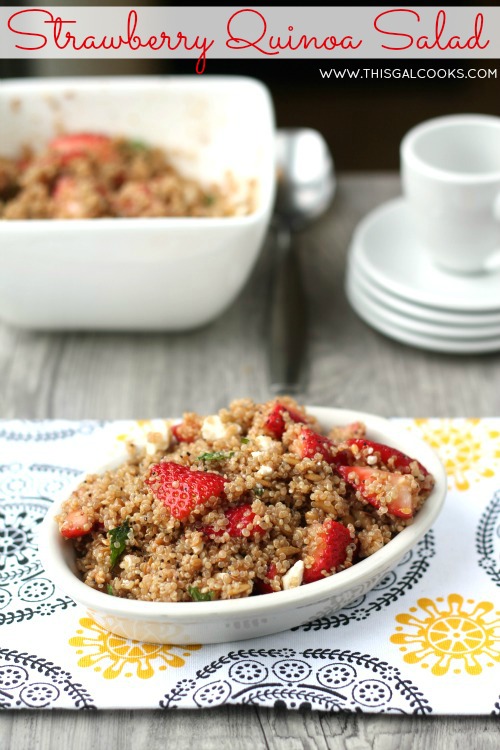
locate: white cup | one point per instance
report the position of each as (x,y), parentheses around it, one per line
(451,179)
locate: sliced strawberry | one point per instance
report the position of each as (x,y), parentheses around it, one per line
(75,524)
(78,199)
(79,144)
(239,518)
(342,432)
(24,163)
(68,202)
(310,443)
(391,457)
(185,433)
(327,545)
(260,586)
(135,198)
(377,487)
(181,490)
(275,422)
(177,433)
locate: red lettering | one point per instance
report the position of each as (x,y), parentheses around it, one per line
(28,33)
(63,39)
(475,40)
(406,45)
(57,32)
(276,44)
(237,42)
(438,40)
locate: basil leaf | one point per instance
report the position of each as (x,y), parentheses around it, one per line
(259,491)
(197,596)
(118,541)
(137,145)
(245,440)
(217,456)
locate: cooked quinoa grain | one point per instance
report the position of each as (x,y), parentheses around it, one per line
(248,501)
(90,176)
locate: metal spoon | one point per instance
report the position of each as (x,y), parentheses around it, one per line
(306,185)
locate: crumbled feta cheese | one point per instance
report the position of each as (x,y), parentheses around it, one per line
(213,428)
(264,471)
(264,442)
(294,577)
(129,562)
(159,437)
(371,460)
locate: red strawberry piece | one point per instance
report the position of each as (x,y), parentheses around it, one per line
(186,432)
(239,518)
(310,443)
(72,199)
(75,524)
(260,586)
(343,432)
(391,457)
(178,434)
(67,198)
(23,163)
(275,422)
(79,144)
(136,198)
(181,489)
(327,544)
(379,487)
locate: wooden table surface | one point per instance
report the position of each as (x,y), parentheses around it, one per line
(111,376)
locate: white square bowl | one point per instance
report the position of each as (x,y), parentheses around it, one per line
(138,273)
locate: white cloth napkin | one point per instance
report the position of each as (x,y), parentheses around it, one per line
(426,640)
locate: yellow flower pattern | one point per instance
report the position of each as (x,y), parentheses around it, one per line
(457,635)
(468,448)
(113,656)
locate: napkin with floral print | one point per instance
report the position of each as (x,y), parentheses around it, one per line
(425,640)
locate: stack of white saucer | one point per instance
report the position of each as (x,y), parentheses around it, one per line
(396,288)
(406,289)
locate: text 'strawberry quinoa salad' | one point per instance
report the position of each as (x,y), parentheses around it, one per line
(250,501)
(89,176)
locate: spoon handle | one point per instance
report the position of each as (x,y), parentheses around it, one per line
(288,319)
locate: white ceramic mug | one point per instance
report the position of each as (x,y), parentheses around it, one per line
(451,179)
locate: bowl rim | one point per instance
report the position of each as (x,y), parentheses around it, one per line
(53,549)
(18,87)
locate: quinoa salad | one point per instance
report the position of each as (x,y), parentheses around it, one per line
(90,176)
(249,501)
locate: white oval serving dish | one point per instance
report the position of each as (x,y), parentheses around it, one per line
(232,620)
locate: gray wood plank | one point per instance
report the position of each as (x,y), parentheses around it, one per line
(111,376)
(241,727)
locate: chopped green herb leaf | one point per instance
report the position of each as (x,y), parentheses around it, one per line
(138,145)
(245,440)
(109,589)
(118,540)
(209,200)
(259,491)
(217,456)
(197,596)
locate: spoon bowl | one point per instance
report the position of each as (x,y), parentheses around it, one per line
(306,177)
